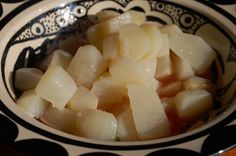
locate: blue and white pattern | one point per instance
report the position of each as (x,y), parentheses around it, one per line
(52,25)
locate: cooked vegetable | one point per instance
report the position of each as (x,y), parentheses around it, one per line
(32,104)
(128,71)
(27,78)
(99,31)
(165,47)
(87,65)
(83,98)
(111,47)
(106,15)
(96,124)
(170,89)
(149,65)
(183,68)
(171,30)
(197,82)
(109,92)
(192,103)
(165,69)
(125,126)
(111,87)
(134,42)
(64,120)
(156,40)
(149,116)
(57,58)
(56,86)
(194,49)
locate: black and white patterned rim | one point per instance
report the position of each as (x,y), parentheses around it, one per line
(223,2)
(24,6)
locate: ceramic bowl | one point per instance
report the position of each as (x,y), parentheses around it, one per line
(38,27)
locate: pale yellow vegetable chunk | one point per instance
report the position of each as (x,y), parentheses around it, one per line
(83,98)
(183,68)
(106,15)
(57,58)
(126,130)
(171,30)
(96,124)
(192,103)
(134,42)
(127,71)
(168,103)
(194,49)
(165,47)
(27,78)
(170,89)
(111,47)
(149,65)
(165,68)
(94,35)
(156,39)
(109,92)
(64,120)
(56,86)
(32,104)
(148,112)
(99,31)
(87,65)
(196,82)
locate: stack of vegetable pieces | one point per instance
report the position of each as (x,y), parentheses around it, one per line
(133,80)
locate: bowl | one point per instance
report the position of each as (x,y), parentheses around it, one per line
(36,28)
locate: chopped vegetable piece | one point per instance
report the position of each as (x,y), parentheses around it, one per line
(149,116)
(192,103)
(109,92)
(87,65)
(128,71)
(57,58)
(194,49)
(165,69)
(134,42)
(111,47)
(63,120)
(96,124)
(156,39)
(126,130)
(99,31)
(32,104)
(106,15)
(83,98)
(183,68)
(27,78)
(56,86)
